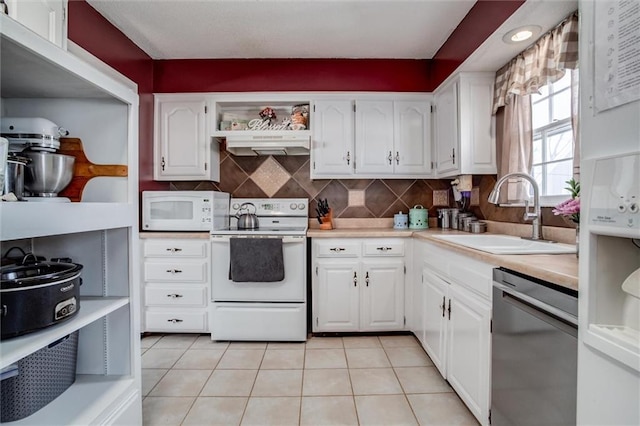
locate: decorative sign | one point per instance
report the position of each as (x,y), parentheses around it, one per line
(258,124)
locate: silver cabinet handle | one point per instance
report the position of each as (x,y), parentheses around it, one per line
(174,271)
(355,279)
(384,248)
(174,249)
(348,157)
(174,296)
(174,320)
(443,305)
(337,249)
(397,157)
(453,155)
(390,157)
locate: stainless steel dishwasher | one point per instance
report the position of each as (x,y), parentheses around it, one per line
(534,351)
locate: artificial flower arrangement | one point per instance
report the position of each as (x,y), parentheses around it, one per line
(570,209)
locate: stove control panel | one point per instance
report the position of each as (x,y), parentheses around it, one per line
(271,206)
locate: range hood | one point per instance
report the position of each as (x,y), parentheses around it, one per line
(276,144)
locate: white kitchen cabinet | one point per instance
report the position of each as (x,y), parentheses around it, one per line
(47,18)
(464,127)
(456,293)
(358,285)
(176,285)
(99,232)
(332,149)
(382,136)
(183,147)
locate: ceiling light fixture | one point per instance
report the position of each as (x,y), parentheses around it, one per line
(520,34)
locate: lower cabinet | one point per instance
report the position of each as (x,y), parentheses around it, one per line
(176,285)
(358,285)
(456,324)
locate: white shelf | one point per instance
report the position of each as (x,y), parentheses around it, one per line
(37,219)
(82,403)
(619,342)
(302,134)
(91,309)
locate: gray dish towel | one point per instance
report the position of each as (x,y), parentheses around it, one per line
(256,260)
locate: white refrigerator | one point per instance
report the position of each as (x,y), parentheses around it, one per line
(609,292)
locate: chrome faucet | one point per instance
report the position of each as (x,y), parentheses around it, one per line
(534,215)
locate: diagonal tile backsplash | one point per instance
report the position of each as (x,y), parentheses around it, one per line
(288,177)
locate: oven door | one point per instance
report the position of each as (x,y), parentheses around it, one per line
(291,289)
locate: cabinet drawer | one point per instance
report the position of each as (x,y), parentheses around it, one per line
(176,272)
(175,295)
(384,248)
(476,276)
(175,248)
(169,321)
(337,249)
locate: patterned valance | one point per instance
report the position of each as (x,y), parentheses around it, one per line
(540,64)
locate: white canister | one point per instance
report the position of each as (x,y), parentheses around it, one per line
(400,221)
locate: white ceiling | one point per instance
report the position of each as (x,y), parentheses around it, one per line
(394,29)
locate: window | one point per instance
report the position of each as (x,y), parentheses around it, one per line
(552,139)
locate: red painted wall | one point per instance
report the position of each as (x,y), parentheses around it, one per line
(91,31)
(249,75)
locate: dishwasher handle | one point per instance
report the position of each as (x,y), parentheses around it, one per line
(553,316)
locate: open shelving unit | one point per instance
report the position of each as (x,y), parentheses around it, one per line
(100,232)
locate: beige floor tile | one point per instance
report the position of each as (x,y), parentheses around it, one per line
(176,341)
(230,383)
(150,378)
(325,358)
(422,380)
(165,410)
(374,381)
(205,342)
(244,359)
(328,411)
(148,341)
(279,359)
(199,359)
(367,358)
(216,411)
(161,358)
(401,341)
(326,382)
(248,345)
(276,411)
(361,342)
(181,383)
(384,410)
(286,345)
(408,357)
(441,409)
(325,343)
(278,383)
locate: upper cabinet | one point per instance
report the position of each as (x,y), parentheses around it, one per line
(183,147)
(363,138)
(465,140)
(45,17)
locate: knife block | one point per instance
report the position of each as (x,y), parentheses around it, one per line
(327,221)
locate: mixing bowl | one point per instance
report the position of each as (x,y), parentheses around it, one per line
(48,173)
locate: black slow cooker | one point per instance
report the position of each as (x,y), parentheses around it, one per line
(35,294)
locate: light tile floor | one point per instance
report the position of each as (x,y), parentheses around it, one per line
(371,380)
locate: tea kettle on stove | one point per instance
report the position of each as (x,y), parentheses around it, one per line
(247,220)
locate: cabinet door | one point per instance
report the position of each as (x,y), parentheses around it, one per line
(412,137)
(45,17)
(374,137)
(446,141)
(382,295)
(435,318)
(181,140)
(332,153)
(336,295)
(468,350)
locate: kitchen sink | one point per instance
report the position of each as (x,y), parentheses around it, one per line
(507,244)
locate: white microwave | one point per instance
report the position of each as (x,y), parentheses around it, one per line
(185,210)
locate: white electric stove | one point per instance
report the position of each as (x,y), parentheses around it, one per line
(261,308)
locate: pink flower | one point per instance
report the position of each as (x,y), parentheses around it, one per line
(569,208)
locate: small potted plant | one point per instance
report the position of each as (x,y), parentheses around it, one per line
(570,209)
